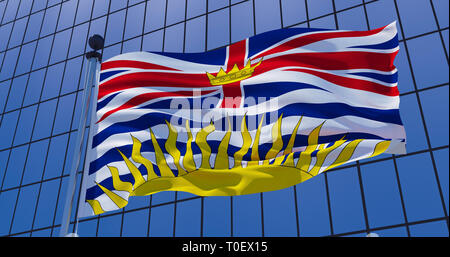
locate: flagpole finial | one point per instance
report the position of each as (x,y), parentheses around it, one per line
(96,42)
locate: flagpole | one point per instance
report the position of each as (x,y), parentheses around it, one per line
(93,58)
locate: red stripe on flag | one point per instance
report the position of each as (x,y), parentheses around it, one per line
(352,83)
(312,38)
(139,99)
(232,95)
(331,61)
(153,79)
(133,64)
(236,54)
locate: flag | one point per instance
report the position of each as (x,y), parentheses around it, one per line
(259,115)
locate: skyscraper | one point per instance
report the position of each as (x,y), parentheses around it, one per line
(42,64)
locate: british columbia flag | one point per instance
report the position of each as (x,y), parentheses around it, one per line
(261,114)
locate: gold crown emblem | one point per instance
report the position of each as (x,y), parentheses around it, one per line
(234,75)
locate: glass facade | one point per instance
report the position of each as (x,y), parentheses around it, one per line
(42,43)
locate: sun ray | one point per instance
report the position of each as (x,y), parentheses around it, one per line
(136,156)
(222,154)
(137,175)
(171,148)
(255,154)
(160,158)
(203,145)
(305,157)
(277,144)
(246,142)
(188,160)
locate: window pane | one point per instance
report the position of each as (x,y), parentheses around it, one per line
(56,156)
(342,4)
(18,32)
(110,226)
(44,119)
(381,194)
(319,8)
(47,203)
(9,63)
(26,204)
(441,9)
(174,38)
(216,4)
(175,11)
(420,193)
(266,18)
(195,8)
(393,232)
(66,18)
(188,218)
(161,221)
(153,41)
(345,200)
(314,219)
(6,31)
(72,75)
(353,19)
(25,126)
(16,94)
(25,58)
(410,114)
(15,167)
(7,128)
(7,201)
(441,158)
(241,22)
(115,28)
(135,19)
(53,81)
(218,29)
(61,45)
(34,166)
(436,114)
(154,18)
(217,216)
(87,228)
(34,26)
(195,35)
(430,229)
(279,213)
(294,12)
(381,13)
(408,15)
(42,52)
(64,114)
(247,215)
(50,19)
(427,54)
(77,45)
(135,223)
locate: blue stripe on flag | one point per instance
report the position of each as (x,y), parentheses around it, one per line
(323,111)
(106,74)
(387,78)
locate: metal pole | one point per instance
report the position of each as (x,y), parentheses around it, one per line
(87,160)
(96,42)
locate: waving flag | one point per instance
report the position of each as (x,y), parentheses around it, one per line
(262,114)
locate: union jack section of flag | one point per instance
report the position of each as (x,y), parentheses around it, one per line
(261,114)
